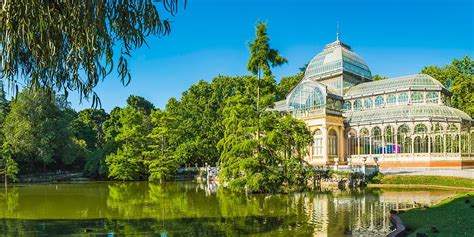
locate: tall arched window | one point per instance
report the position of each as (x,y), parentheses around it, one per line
(364,141)
(464,142)
(391,99)
(347,106)
(332,142)
(449,143)
(437,142)
(318,144)
(403,97)
(357,105)
(368,103)
(404,140)
(421,141)
(390,146)
(379,101)
(417,97)
(455,148)
(352,142)
(376,140)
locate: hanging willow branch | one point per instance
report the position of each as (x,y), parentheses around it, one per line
(68,45)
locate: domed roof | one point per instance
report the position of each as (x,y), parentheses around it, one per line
(337,57)
(412,82)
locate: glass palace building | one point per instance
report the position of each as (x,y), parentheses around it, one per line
(397,122)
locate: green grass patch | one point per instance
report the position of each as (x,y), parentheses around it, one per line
(452,217)
(427,180)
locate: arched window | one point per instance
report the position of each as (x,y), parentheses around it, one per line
(379,101)
(330,103)
(417,97)
(403,97)
(338,105)
(352,142)
(390,146)
(318,144)
(307,96)
(421,144)
(332,140)
(449,143)
(421,129)
(364,141)
(376,140)
(391,99)
(438,144)
(464,142)
(357,105)
(404,140)
(455,148)
(347,106)
(368,103)
(432,97)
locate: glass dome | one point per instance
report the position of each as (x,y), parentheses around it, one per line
(337,57)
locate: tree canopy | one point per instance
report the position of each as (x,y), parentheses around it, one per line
(66,46)
(458,77)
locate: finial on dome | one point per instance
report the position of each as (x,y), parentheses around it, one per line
(337,31)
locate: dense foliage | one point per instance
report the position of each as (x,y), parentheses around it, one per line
(67,46)
(458,77)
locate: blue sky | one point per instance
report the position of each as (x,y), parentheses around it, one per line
(210,37)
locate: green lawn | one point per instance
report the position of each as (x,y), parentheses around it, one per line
(452,217)
(428,180)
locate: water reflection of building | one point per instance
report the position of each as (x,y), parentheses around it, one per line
(366,212)
(403,122)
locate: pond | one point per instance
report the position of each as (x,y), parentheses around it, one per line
(193,209)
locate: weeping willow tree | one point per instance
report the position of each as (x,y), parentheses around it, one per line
(65,45)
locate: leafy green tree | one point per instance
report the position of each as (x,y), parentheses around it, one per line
(37,130)
(262,58)
(160,157)
(10,167)
(458,77)
(53,43)
(140,103)
(127,163)
(287,84)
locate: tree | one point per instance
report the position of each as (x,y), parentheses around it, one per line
(127,163)
(287,84)
(160,157)
(10,167)
(458,77)
(38,131)
(52,43)
(140,103)
(377,77)
(262,58)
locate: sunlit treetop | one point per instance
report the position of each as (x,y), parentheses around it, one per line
(65,46)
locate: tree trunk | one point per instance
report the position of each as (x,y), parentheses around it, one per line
(258,106)
(6,180)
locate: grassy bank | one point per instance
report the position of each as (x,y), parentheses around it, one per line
(424,180)
(451,217)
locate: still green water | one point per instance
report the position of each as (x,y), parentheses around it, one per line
(192,209)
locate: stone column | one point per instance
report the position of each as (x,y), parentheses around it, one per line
(324,130)
(341,147)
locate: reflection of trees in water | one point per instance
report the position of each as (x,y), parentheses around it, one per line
(184,208)
(8,201)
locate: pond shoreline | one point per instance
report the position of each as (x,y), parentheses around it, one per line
(419,186)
